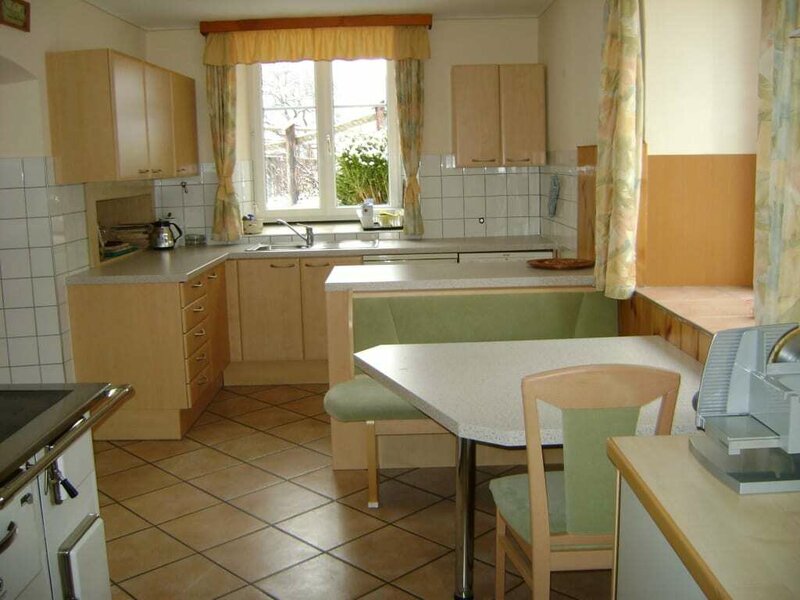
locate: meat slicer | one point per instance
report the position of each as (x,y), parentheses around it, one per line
(749,408)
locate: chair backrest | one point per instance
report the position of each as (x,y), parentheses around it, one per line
(597,402)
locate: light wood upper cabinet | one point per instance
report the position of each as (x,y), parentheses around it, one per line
(114,117)
(184,125)
(498,115)
(270,310)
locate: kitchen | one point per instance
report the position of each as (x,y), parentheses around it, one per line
(686,122)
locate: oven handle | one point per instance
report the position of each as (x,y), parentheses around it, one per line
(104,405)
(9,537)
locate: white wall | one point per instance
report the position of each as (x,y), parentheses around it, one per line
(465,42)
(570,40)
(55,25)
(702,76)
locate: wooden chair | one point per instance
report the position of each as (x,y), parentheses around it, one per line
(565,520)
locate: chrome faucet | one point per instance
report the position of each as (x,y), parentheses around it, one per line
(308,238)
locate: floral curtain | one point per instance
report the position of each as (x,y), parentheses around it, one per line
(221,96)
(409,79)
(776,277)
(619,149)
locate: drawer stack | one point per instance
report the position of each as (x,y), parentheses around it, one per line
(196,345)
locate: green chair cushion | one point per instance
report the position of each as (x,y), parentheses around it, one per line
(364,399)
(512,499)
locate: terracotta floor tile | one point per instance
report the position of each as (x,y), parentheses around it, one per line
(584,585)
(484,551)
(303,431)
(437,523)
(253,446)
(280,394)
(134,482)
(235,481)
(119,594)
(218,432)
(268,418)
(261,554)
(388,592)
(226,394)
(313,405)
(437,480)
(279,502)
(483,498)
(114,461)
(153,450)
(197,463)
(99,446)
(246,593)
(142,551)
(322,445)
(316,388)
(331,525)
(397,501)
(123,443)
(212,526)
(389,552)
(237,405)
(193,578)
(325,418)
(206,418)
(320,577)
(119,521)
(104,500)
(293,462)
(246,390)
(170,503)
(333,484)
(434,581)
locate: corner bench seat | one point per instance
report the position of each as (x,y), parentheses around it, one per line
(470,317)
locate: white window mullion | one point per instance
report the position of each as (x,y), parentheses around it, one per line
(327,167)
(393,144)
(257,140)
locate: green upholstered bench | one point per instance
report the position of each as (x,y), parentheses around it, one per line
(473,317)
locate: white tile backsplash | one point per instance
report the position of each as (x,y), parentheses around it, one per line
(11,173)
(13,233)
(41,260)
(44,291)
(12,204)
(23,351)
(47,322)
(452,208)
(431,209)
(36,202)
(475,206)
(17,293)
(20,322)
(34,172)
(452,187)
(15,263)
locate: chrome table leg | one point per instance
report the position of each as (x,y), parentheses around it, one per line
(465,517)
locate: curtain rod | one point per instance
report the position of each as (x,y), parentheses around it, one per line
(207,27)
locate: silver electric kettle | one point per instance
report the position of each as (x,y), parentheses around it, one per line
(161,235)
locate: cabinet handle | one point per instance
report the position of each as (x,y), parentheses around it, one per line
(213,276)
(182,170)
(157,170)
(200,333)
(201,358)
(198,309)
(143,171)
(480,160)
(272,266)
(311,266)
(9,537)
(199,284)
(202,380)
(518,159)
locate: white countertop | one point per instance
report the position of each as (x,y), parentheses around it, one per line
(450,276)
(183,263)
(473,389)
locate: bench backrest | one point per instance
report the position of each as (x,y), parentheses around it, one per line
(481,318)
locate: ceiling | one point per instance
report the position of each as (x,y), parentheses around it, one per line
(186,14)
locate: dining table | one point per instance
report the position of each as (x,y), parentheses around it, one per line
(473,389)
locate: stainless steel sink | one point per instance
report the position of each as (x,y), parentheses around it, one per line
(340,245)
(275,247)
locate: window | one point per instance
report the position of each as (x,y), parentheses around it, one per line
(324,138)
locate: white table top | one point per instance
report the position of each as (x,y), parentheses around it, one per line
(473,389)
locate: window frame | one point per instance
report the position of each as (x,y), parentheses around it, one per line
(323,92)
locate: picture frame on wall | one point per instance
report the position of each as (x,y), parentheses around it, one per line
(16,13)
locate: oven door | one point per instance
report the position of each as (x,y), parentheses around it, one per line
(82,561)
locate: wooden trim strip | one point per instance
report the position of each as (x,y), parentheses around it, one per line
(691,559)
(423,20)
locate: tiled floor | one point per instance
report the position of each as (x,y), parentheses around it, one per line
(247,507)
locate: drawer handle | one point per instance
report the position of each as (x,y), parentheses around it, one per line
(200,333)
(202,380)
(9,537)
(182,170)
(199,284)
(282,266)
(143,171)
(157,170)
(201,358)
(198,309)
(518,159)
(480,160)
(320,266)
(213,276)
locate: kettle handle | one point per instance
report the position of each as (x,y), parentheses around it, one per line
(180,231)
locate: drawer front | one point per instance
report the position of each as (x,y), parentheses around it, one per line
(198,386)
(192,290)
(195,337)
(195,312)
(197,362)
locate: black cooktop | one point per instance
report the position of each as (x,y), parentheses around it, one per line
(20,407)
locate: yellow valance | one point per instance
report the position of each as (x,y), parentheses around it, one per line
(328,43)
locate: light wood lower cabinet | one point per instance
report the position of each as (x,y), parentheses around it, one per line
(169,340)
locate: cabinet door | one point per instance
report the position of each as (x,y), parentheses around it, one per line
(270,309)
(130,117)
(476,115)
(220,351)
(314,272)
(158,96)
(184,125)
(522,114)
